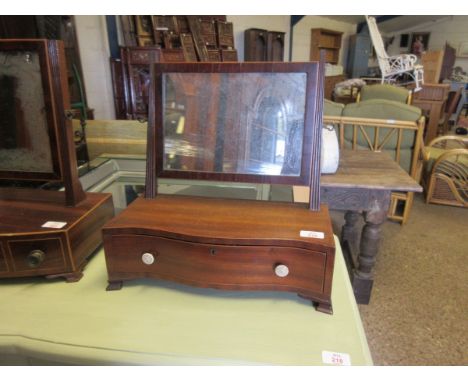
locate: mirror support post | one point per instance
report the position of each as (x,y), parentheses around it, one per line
(74,193)
(314,196)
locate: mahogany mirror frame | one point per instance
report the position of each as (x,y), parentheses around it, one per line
(311,142)
(56,102)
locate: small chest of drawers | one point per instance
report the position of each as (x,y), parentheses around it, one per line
(223,244)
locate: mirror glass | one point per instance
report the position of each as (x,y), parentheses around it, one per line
(24,132)
(242,123)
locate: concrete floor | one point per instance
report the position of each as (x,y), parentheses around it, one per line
(418,313)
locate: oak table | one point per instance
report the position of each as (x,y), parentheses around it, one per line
(361,186)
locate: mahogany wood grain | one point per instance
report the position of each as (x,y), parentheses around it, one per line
(22,214)
(55,91)
(224,221)
(222,243)
(218,266)
(225,243)
(310,166)
(73,190)
(40,47)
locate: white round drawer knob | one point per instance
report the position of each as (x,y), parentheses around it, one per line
(147,258)
(281,270)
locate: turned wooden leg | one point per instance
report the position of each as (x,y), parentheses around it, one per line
(350,238)
(369,247)
(349,232)
(114,285)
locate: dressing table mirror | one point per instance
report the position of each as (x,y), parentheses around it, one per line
(42,232)
(230,122)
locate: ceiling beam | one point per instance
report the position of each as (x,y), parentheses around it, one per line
(378,19)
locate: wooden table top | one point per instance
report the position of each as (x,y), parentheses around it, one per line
(369,169)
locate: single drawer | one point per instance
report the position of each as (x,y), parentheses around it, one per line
(37,255)
(216,266)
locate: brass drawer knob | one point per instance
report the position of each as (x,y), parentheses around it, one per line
(147,258)
(281,270)
(35,258)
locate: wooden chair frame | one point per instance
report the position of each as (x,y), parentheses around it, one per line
(359,126)
(447,181)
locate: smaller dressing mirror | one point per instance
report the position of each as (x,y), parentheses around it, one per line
(28,144)
(36,138)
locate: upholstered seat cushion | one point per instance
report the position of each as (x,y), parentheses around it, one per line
(384,91)
(382,109)
(332,108)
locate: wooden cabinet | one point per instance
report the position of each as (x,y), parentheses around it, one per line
(329,85)
(432,62)
(255,44)
(119,87)
(225,34)
(228,55)
(275,46)
(448,62)
(131,78)
(263,45)
(358,55)
(431,99)
(438,64)
(173,39)
(137,61)
(328,40)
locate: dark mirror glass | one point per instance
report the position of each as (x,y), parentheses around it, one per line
(24,132)
(243,123)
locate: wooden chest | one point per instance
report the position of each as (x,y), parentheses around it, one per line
(223,244)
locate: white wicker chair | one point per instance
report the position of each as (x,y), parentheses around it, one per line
(394,66)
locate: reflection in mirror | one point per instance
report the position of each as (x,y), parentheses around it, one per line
(244,123)
(24,133)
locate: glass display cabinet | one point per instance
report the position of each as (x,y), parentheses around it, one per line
(230,122)
(42,232)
